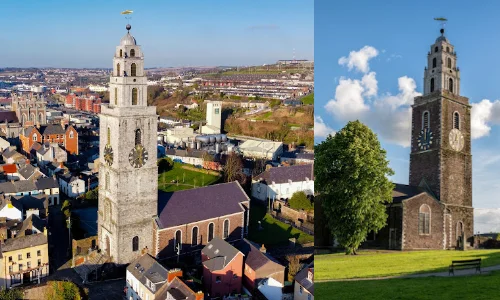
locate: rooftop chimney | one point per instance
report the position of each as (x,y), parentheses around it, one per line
(263,249)
(174,273)
(199,295)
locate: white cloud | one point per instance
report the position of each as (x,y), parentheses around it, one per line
(370,84)
(359,59)
(321,129)
(349,102)
(487,220)
(483,115)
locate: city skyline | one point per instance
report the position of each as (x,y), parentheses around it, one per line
(372,76)
(77,35)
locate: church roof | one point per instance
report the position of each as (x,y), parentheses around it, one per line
(8,116)
(188,206)
(128,40)
(403,192)
(294,173)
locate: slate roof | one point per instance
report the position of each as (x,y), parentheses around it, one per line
(303,280)
(178,290)
(10,153)
(27,171)
(212,201)
(219,253)
(402,192)
(23,242)
(309,156)
(28,185)
(33,221)
(39,202)
(146,268)
(283,174)
(255,259)
(69,178)
(9,116)
(46,183)
(4,200)
(52,129)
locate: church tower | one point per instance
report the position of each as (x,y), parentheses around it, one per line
(440,158)
(128,174)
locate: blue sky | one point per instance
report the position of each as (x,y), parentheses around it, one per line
(392,41)
(58,33)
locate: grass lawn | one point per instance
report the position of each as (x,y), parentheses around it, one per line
(264,116)
(187,179)
(460,287)
(308,99)
(380,264)
(274,232)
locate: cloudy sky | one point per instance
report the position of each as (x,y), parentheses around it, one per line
(61,33)
(369,65)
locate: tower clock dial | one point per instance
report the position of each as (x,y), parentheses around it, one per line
(425,139)
(138,156)
(456,140)
(108,155)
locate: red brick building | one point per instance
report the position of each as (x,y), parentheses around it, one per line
(222,268)
(64,135)
(192,218)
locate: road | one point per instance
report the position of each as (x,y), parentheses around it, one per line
(58,238)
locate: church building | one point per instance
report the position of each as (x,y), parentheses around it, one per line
(133,217)
(435,210)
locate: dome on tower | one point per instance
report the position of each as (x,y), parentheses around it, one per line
(442,38)
(128,39)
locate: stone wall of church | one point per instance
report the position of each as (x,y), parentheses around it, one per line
(166,236)
(465,216)
(412,239)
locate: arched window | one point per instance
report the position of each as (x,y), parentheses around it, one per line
(210,232)
(133,69)
(425,120)
(194,236)
(106,183)
(134,96)
(432,85)
(138,137)
(456,120)
(116,96)
(448,49)
(449,62)
(132,53)
(24,119)
(40,117)
(424,219)
(33,118)
(109,136)
(118,69)
(135,243)
(121,52)
(450,85)
(226,229)
(178,238)
(434,62)
(436,49)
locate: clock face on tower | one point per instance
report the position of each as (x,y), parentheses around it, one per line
(456,140)
(138,156)
(425,139)
(108,155)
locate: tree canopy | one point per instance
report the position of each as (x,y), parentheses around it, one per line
(351,173)
(299,200)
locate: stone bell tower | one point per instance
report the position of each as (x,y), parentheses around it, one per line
(440,156)
(128,179)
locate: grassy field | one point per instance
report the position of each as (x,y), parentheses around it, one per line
(460,287)
(369,264)
(264,116)
(187,179)
(274,232)
(308,99)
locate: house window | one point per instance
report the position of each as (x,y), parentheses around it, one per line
(21,266)
(226,229)
(39,253)
(39,262)
(116,96)
(132,53)
(216,111)
(28,265)
(425,120)
(218,279)
(28,255)
(34,137)
(117,69)
(301,290)
(194,236)
(19,257)
(456,120)
(137,137)
(135,243)
(133,70)
(10,258)
(309,297)
(210,231)
(134,96)
(71,134)
(424,220)
(178,238)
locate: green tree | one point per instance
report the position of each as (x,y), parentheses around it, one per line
(351,172)
(165,164)
(498,237)
(299,200)
(11,294)
(66,208)
(62,290)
